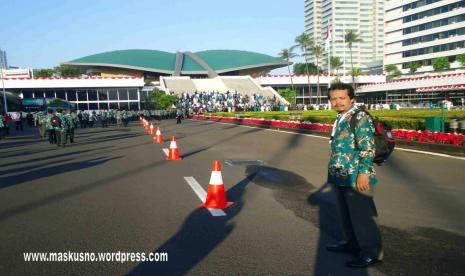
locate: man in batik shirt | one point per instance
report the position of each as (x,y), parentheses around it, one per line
(351,172)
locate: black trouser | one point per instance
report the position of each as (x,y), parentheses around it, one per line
(61,137)
(71,134)
(19,125)
(358,215)
(52,138)
(178,119)
(104,123)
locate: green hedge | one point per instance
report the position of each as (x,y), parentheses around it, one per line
(398,119)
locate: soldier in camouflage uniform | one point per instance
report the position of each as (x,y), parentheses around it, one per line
(71,121)
(125,118)
(104,116)
(61,130)
(119,119)
(2,125)
(48,126)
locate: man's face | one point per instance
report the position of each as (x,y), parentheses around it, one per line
(340,100)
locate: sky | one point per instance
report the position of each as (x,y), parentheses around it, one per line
(43,34)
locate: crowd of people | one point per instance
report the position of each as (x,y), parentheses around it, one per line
(201,102)
(59,126)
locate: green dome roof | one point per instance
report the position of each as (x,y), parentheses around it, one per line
(219,61)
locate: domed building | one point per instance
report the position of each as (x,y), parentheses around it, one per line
(152,63)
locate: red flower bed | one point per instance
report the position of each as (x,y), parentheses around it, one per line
(429,137)
(263,122)
(399,134)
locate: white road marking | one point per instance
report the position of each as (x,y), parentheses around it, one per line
(166,151)
(202,194)
(432,153)
(327,138)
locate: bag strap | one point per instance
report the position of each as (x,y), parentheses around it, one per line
(353,124)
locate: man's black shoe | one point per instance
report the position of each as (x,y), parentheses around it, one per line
(363,262)
(341,247)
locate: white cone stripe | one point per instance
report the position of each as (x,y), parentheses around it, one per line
(216,178)
(151,126)
(173,145)
(202,194)
(158,132)
(166,151)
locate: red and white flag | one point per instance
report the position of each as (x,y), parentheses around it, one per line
(328,38)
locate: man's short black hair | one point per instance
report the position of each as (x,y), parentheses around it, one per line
(342,86)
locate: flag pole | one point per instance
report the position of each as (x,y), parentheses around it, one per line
(329,53)
(344,45)
(5,108)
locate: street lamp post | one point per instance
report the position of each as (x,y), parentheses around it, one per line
(4,93)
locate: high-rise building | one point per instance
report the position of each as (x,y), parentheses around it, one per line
(3,60)
(420,31)
(365,17)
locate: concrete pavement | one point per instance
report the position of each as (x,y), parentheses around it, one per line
(114,191)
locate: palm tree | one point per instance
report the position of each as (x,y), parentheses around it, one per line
(287,54)
(352,37)
(335,63)
(317,51)
(304,41)
(355,72)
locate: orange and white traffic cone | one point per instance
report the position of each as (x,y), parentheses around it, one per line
(173,154)
(146,127)
(152,130)
(158,139)
(216,197)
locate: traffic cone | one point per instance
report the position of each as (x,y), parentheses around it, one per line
(173,154)
(216,197)
(146,127)
(158,139)
(152,131)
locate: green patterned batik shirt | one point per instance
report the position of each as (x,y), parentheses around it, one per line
(345,162)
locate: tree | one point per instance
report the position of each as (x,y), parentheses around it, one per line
(44,73)
(67,71)
(288,54)
(392,70)
(335,63)
(300,68)
(355,72)
(461,59)
(441,63)
(288,94)
(317,51)
(413,67)
(158,99)
(352,37)
(303,41)
(57,103)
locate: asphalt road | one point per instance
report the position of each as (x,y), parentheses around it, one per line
(113,191)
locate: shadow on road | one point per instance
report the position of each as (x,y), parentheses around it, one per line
(50,171)
(66,154)
(200,234)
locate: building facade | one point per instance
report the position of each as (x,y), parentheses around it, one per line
(420,31)
(365,17)
(90,93)
(417,91)
(3,60)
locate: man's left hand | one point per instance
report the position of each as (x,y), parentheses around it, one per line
(362,183)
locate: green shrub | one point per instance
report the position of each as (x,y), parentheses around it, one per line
(398,119)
